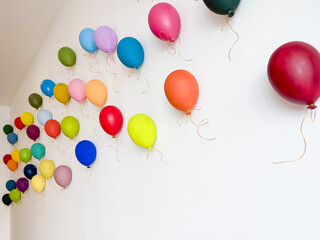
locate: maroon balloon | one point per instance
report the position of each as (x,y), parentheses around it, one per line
(22,184)
(294,72)
(33,132)
(6,158)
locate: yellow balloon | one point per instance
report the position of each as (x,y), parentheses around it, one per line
(142,130)
(61,93)
(38,183)
(27,118)
(47,168)
(15,155)
(96,92)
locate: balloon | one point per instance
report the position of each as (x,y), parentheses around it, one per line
(164,22)
(86,40)
(35,100)
(22,184)
(6,158)
(67,56)
(47,87)
(12,138)
(52,128)
(70,126)
(15,195)
(77,90)
(10,185)
(142,130)
(43,116)
(18,123)
(61,93)
(105,39)
(63,176)
(86,152)
(38,150)
(130,52)
(7,129)
(25,155)
(111,120)
(96,92)
(15,155)
(12,165)
(29,171)
(6,199)
(27,118)
(294,72)
(182,90)
(38,183)
(225,7)
(33,132)
(46,168)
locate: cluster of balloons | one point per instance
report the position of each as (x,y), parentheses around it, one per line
(11,136)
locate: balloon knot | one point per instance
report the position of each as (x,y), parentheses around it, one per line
(88,166)
(312,106)
(231,13)
(149,148)
(188,112)
(114,136)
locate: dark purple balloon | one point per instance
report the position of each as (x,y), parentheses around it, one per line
(33,132)
(22,184)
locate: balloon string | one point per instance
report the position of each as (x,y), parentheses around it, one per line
(172,47)
(70,71)
(161,155)
(146,80)
(95,131)
(227,21)
(115,75)
(313,116)
(179,50)
(132,72)
(203,122)
(180,119)
(116,150)
(108,57)
(67,109)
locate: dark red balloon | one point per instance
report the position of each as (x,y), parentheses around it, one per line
(294,72)
(52,128)
(6,158)
(33,132)
(111,120)
(18,123)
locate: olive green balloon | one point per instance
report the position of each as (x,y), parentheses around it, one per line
(35,100)
(67,56)
(7,129)
(25,155)
(15,195)
(222,7)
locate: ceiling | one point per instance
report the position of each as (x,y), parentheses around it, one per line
(23,27)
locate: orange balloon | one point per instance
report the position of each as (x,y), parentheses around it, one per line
(12,165)
(182,90)
(96,92)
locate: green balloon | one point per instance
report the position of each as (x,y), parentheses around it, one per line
(7,129)
(70,126)
(222,7)
(25,155)
(35,100)
(38,150)
(15,195)
(67,56)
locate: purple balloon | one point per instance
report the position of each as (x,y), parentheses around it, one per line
(22,184)
(105,39)
(63,176)
(33,132)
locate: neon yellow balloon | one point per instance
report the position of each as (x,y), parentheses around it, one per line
(47,168)
(142,130)
(70,126)
(61,93)
(38,183)
(15,155)
(27,118)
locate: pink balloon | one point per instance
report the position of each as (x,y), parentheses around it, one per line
(76,89)
(105,39)
(63,176)
(164,22)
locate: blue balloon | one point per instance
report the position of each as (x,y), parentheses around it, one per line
(86,153)
(10,185)
(43,116)
(130,52)
(47,87)
(29,171)
(87,41)
(12,138)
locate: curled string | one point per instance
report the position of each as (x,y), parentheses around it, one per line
(180,119)
(108,57)
(313,116)
(115,75)
(226,21)
(179,51)
(95,131)
(161,155)
(203,122)
(67,109)
(132,72)
(115,149)
(146,80)
(64,152)
(95,116)
(169,43)
(70,71)
(92,60)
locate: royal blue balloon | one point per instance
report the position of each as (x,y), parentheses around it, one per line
(130,52)
(12,138)
(43,116)
(86,153)
(87,41)
(47,87)
(10,185)
(29,171)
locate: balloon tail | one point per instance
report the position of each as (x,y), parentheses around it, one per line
(70,72)
(179,51)
(132,72)
(170,46)
(115,75)
(313,114)
(67,109)
(203,122)
(95,132)
(95,116)
(116,151)
(161,156)
(226,21)
(146,80)
(180,119)
(81,110)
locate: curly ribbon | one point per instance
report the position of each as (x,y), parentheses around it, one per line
(67,109)
(115,75)
(226,21)
(70,70)
(95,131)
(161,155)
(114,146)
(139,78)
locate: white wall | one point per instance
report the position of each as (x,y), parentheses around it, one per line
(225,189)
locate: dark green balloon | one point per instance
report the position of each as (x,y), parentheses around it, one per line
(222,7)
(35,100)
(7,129)
(67,56)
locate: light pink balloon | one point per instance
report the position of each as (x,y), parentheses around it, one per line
(105,39)
(164,22)
(63,176)
(76,89)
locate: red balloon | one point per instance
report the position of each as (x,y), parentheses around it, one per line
(111,120)
(294,72)
(18,123)
(52,128)
(6,158)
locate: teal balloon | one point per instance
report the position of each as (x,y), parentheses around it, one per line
(38,150)
(222,7)
(130,52)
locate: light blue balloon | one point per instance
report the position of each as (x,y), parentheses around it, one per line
(10,185)
(47,87)
(43,116)
(38,150)
(12,138)
(130,52)
(86,40)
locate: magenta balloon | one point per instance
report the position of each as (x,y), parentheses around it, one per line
(76,89)
(63,176)
(105,39)
(22,184)
(33,132)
